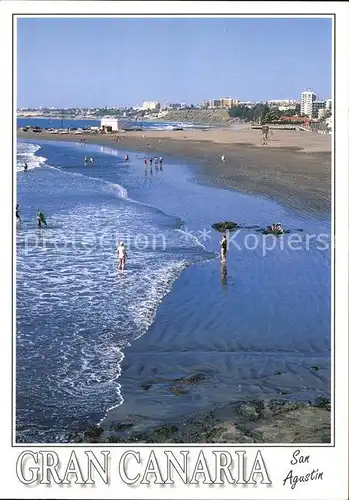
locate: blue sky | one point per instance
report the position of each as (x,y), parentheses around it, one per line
(107,61)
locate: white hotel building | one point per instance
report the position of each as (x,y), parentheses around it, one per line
(307,99)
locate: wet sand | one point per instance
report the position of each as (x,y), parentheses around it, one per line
(293,169)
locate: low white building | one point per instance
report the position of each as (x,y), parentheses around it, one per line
(151,106)
(321,113)
(114,124)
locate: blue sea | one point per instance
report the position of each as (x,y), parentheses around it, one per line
(88,336)
(72,123)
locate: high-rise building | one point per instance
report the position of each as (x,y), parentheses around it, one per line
(307,99)
(329,104)
(317,105)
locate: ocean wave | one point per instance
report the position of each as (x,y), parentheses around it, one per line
(75,312)
(26,153)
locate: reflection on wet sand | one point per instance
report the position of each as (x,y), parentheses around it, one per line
(224,272)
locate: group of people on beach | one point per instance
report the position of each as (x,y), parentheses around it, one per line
(91,160)
(157,161)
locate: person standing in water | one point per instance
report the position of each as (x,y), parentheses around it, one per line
(41,219)
(122,254)
(223,245)
(18,216)
(151,161)
(85,160)
(126,158)
(145,163)
(160,161)
(25,167)
(92,160)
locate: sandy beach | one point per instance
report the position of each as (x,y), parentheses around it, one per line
(294,168)
(191,360)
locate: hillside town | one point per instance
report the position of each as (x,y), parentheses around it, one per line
(308,111)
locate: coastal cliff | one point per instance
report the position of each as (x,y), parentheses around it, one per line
(199,116)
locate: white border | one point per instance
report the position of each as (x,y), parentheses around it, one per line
(335,458)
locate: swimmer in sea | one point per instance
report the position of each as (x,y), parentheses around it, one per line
(122,254)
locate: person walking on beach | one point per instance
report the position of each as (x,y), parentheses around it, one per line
(265,134)
(223,245)
(122,254)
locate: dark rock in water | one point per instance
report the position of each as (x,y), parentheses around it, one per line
(225,226)
(275,233)
(93,434)
(315,368)
(178,391)
(166,431)
(146,385)
(322,402)
(194,379)
(248,411)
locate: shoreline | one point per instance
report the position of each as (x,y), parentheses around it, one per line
(294,169)
(254,420)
